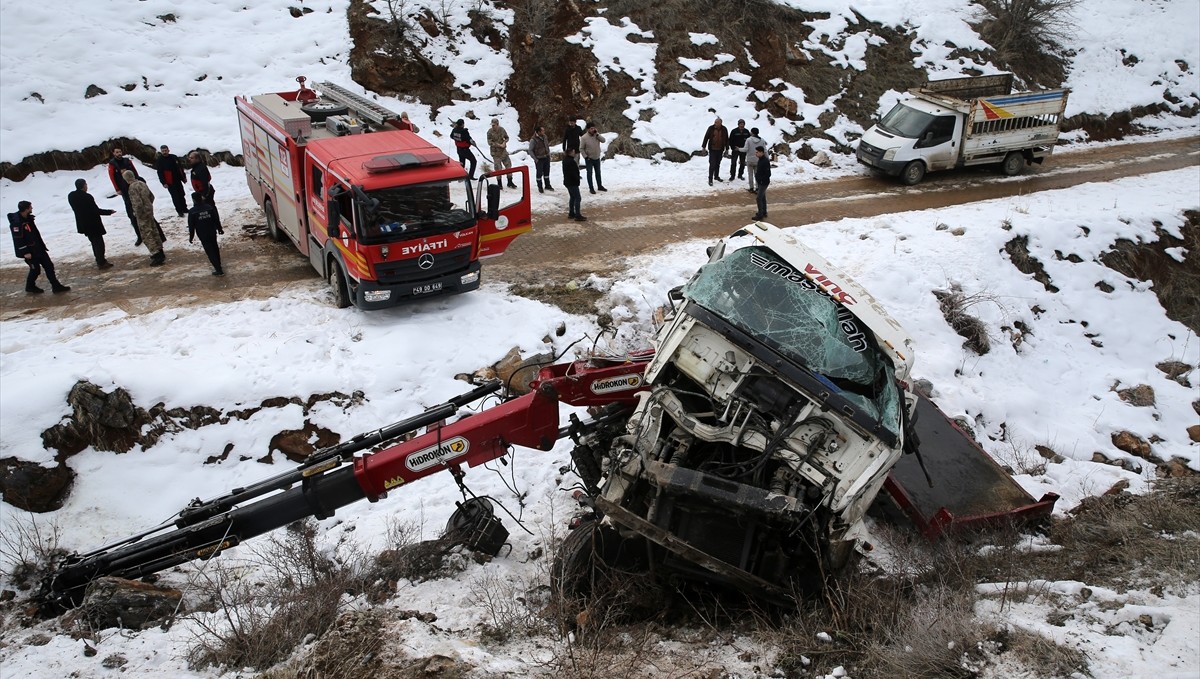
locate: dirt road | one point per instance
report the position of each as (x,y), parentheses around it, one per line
(565,250)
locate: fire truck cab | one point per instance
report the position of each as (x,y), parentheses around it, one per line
(382,214)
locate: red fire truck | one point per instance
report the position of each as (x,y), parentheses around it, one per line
(382,214)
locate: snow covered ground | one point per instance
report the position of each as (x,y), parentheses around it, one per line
(1056,389)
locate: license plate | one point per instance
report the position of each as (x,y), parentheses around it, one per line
(426,289)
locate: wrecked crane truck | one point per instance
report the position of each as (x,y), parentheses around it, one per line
(743,448)
(774,407)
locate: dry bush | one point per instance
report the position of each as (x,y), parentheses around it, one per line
(1040,655)
(258,621)
(955,306)
(912,619)
(1029,36)
(1131,540)
(1021,458)
(512,607)
(409,558)
(30,550)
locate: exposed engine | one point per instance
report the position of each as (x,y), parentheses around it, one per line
(774,415)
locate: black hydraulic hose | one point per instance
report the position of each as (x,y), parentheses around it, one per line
(315,488)
(319,496)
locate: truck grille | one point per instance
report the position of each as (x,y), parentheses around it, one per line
(865,150)
(409,270)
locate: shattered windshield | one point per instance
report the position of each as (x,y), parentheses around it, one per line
(905,121)
(405,212)
(756,291)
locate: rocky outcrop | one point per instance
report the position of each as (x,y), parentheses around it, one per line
(128,604)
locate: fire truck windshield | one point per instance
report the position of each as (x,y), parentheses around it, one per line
(404,212)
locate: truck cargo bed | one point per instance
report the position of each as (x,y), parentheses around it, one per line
(969,489)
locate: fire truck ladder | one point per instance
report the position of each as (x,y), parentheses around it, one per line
(363,107)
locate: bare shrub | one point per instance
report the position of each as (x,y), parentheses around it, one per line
(955,306)
(1131,540)
(30,550)
(512,607)
(296,592)
(1029,35)
(399,12)
(909,616)
(1041,655)
(1021,458)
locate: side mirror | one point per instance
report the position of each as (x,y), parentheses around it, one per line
(716,252)
(333,215)
(493,201)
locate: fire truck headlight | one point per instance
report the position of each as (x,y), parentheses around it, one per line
(469,278)
(377,295)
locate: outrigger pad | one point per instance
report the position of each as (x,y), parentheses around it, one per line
(474,524)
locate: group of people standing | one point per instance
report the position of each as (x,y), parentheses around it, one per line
(741,145)
(579,140)
(576,143)
(202,216)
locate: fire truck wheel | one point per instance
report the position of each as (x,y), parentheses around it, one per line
(272,221)
(320,110)
(337,281)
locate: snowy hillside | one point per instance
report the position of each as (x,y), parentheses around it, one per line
(169,72)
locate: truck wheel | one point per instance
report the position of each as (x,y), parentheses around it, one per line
(1013,165)
(913,173)
(337,281)
(320,110)
(272,221)
(581,560)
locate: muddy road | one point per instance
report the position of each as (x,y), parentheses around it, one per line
(559,250)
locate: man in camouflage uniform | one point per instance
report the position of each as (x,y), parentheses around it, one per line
(142,201)
(497,140)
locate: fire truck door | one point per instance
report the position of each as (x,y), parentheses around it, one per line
(318,203)
(512,216)
(287,183)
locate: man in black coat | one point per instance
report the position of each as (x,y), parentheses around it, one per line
(737,157)
(29,246)
(171,175)
(571,137)
(87,220)
(762,176)
(201,177)
(204,221)
(116,168)
(570,168)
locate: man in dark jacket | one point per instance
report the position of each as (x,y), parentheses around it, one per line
(117,165)
(716,138)
(171,175)
(539,148)
(204,221)
(29,246)
(737,157)
(87,220)
(762,175)
(570,167)
(462,144)
(571,137)
(201,177)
